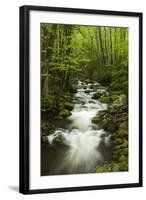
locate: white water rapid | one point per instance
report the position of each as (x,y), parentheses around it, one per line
(82,136)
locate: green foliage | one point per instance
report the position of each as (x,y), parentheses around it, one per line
(46,103)
(105,79)
(89,53)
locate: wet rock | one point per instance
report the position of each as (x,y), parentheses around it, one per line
(123,128)
(64,113)
(121,101)
(87,91)
(109,124)
(92,101)
(96,120)
(73,90)
(47,127)
(105,99)
(69,105)
(58,140)
(88,81)
(96,95)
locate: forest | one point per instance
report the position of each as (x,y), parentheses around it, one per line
(84,99)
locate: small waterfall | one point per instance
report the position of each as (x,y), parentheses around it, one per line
(82,137)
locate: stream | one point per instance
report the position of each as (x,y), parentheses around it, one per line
(85,145)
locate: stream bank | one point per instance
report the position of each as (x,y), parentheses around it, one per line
(79,145)
(92,138)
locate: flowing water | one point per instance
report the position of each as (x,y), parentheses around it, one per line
(85,145)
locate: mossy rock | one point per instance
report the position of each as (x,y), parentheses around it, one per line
(120,152)
(113,167)
(123,158)
(44,139)
(69,105)
(58,140)
(120,101)
(116,148)
(102,113)
(59,117)
(105,168)
(123,166)
(109,167)
(124,152)
(47,127)
(118,141)
(60,106)
(105,99)
(109,124)
(100,170)
(96,96)
(124,144)
(123,127)
(64,113)
(46,103)
(114,136)
(116,92)
(113,97)
(99,118)
(96,120)
(66,97)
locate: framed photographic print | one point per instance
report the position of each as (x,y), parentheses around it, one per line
(80,99)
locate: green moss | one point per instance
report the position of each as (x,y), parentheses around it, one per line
(123,127)
(123,158)
(118,141)
(125,144)
(59,117)
(47,127)
(46,103)
(69,105)
(114,136)
(117,93)
(58,140)
(117,147)
(109,124)
(123,166)
(64,113)
(44,139)
(66,97)
(60,105)
(105,99)
(96,120)
(105,168)
(102,113)
(120,101)
(125,152)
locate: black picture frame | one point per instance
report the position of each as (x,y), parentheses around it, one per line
(25,105)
